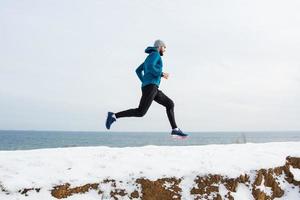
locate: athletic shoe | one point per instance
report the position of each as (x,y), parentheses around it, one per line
(109,120)
(178,133)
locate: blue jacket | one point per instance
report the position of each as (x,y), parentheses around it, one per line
(150,71)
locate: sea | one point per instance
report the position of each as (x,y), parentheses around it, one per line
(25,140)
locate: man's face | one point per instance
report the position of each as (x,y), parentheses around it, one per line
(162,50)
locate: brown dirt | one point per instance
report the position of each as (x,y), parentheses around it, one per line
(295,163)
(63,191)
(134,194)
(156,190)
(268,177)
(207,186)
(116,191)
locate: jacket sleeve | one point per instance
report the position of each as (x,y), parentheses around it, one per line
(154,69)
(139,71)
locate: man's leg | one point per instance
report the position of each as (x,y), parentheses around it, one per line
(148,94)
(162,99)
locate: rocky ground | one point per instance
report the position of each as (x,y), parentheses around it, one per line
(263,184)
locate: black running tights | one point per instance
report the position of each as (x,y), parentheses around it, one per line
(150,93)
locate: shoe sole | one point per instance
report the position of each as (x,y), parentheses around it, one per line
(106,123)
(179,137)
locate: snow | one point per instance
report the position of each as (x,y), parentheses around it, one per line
(296,173)
(242,193)
(223,191)
(45,168)
(291,193)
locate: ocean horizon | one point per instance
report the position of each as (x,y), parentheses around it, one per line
(39,139)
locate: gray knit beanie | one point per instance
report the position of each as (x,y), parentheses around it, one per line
(159,43)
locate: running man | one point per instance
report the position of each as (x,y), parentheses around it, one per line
(150,73)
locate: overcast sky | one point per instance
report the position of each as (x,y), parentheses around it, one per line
(234,65)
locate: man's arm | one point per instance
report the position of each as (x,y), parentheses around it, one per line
(139,71)
(154,70)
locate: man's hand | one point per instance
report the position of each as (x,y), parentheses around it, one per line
(165,75)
